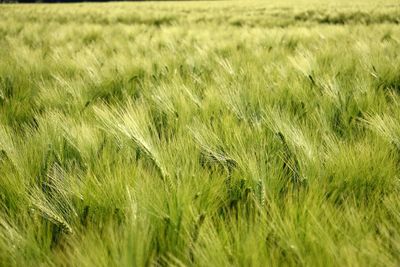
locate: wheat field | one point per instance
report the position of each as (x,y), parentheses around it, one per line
(240,133)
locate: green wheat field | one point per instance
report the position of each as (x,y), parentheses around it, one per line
(200,134)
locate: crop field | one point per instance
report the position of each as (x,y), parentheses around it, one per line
(200,134)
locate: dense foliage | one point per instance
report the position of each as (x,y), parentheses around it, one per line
(200,134)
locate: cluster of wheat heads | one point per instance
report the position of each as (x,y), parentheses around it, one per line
(200,134)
